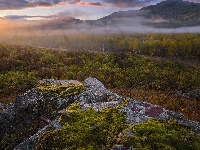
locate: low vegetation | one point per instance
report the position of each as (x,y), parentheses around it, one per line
(122,70)
(102,130)
(188,106)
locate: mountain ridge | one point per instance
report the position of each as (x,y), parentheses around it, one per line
(174,13)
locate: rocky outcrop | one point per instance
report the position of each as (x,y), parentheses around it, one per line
(26,115)
(36,112)
(96,92)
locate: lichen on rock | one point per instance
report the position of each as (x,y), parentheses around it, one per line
(60,88)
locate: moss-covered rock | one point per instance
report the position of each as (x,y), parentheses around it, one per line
(85,130)
(86,115)
(104,130)
(60,90)
(159,135)
(36,109)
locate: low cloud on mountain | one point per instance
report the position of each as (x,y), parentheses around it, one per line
(137,3)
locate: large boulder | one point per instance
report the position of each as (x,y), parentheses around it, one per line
(34,110)
(37,111)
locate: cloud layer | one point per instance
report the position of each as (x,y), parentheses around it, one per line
(25,17)
(22,4)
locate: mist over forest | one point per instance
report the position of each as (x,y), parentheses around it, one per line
(136,23)
(180,18)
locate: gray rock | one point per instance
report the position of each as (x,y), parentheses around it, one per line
(127,134)
(191,94)
(61,102)
(118,147)
(2,107)
(96,92)
(195,94)
(42,111)
(31,143)
(23,116)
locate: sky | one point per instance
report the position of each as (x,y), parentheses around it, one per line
(81,9)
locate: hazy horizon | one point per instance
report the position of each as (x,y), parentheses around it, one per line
(30,18)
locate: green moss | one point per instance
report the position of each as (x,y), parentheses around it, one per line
(85,130)
(159,135)
(61,90)
(101,130)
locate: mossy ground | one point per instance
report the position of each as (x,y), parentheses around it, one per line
(21,67)
(101,130)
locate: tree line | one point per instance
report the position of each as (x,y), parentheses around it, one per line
(163,45)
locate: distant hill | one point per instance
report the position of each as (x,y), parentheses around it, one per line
(177,12)
(166,14)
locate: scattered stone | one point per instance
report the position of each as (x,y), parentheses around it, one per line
(191,94)
(195,94)
(2,107)
(127,134)
(118,147)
